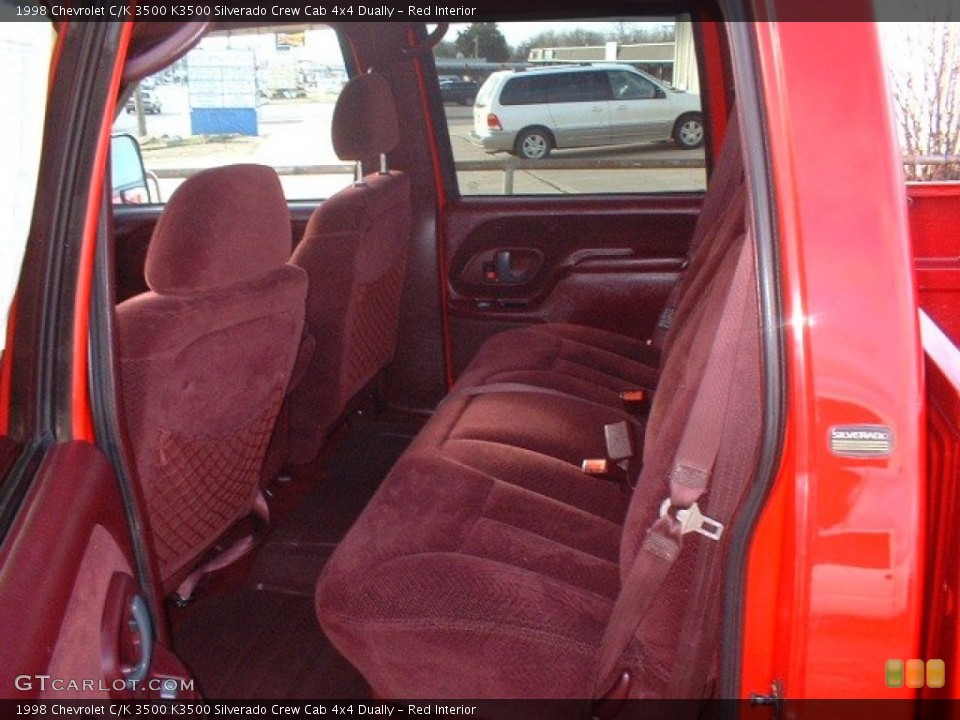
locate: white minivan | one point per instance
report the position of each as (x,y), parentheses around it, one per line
(531,112)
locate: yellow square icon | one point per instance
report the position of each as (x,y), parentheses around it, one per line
(915,673)
(936,673)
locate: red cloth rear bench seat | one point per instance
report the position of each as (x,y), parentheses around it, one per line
(488,565)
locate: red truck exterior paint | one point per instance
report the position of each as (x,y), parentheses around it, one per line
(82,415)
(943,569)
(936,247)
(836,567)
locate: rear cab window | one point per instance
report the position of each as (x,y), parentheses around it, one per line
(576,107)
(243,97)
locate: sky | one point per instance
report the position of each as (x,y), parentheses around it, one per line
(517,32)
(325,50)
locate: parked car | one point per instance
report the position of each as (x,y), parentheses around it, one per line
(531,112)
(151,103)
(463,92)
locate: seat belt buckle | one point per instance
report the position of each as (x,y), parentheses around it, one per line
(634,399)
(615,472)
(617,466)
(692,520)
(596,466)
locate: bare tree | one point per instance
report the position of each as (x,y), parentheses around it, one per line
(572,37)
(925,74)
(623,32)
(631,33)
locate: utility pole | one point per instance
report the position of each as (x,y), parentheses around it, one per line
(141,115)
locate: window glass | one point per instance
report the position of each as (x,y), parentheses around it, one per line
(528,90)
(631,86)
(25,51)
(244,97)
(544,123)
(571,87)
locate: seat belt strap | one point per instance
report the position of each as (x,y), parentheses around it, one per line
(729,170)
(689,480)
(514,387)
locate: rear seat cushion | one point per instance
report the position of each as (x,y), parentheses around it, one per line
(484,570)
(562,427)
(449,595)
(593,364)
(456,582)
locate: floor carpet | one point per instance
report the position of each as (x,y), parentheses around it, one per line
(251,632)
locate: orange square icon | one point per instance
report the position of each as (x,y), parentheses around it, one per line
(915,673)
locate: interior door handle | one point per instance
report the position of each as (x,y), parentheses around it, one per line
(127,634)
(142,626)
(504,271)
(513,267)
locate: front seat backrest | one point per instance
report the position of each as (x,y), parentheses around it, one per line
(206,355)
(354,250)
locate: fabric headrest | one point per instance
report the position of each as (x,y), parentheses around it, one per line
(365,119)
(221,226)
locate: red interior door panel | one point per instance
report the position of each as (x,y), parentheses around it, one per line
(76,625)
(588,261)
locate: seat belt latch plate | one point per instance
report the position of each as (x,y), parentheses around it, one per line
(619,441)
(692,520)
(596,466)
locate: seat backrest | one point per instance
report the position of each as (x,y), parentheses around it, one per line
(206,354)
(726,178)
(354,250)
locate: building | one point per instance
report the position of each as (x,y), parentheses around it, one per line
(674,62)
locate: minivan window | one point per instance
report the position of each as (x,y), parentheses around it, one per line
(485,91)
(527,90)
(630,86)
(579,87)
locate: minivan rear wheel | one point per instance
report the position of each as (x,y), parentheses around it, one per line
(533,144)
(688,132)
